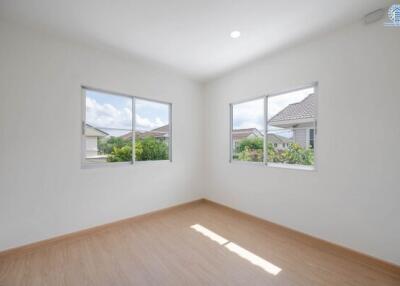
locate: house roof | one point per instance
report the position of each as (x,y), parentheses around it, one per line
(238,134)
(305,109)
(157,132)
(164,129)
(274,138)
(127,136)
(93,131)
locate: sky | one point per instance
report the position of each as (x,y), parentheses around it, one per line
(250,114)
(113,113)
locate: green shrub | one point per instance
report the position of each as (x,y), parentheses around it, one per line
(255,155)
(150,148)
(107,145)
(120,150)
(274,155)
(123,154)
(252,150)
(251,144)
(296,154)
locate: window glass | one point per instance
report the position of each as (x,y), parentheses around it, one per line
(111,124)
(290,130)
(248,131)
(152,130)
(311,142)
(108,120)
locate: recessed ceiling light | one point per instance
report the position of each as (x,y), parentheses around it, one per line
(235,34)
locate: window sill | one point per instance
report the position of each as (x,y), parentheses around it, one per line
(104,165)
(275,165)
(291,166)
(238,162)
(122,164)
(149,162)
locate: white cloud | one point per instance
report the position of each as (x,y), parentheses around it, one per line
(249,115)
(107,116)
(143,123)
(249,124)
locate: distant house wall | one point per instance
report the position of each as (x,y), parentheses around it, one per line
(91,146)
(301,134)
(300,137)
(280,146)
(236,141)
(276,142)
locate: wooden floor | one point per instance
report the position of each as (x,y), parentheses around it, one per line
(188,246)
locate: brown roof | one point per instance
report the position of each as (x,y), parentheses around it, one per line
(300,110)
(238,134)
(164,129)
(159,132)
(127,136)
(275,138)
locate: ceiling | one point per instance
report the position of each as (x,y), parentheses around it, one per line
(191,36)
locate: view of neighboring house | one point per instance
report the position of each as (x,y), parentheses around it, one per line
(279,142)
(300,118)
(92,135)
(161,133)
(248,133)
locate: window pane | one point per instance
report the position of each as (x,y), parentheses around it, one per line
(152,130)
(105,110)
(248,131)
(107,145)
(291,123)
(107,128)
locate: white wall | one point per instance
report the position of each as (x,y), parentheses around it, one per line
(353,198)
(43,190)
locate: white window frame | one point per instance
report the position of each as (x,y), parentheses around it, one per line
(86,165)
(265,162)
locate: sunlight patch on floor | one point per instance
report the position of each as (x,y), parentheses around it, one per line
(240,251)
(211,235)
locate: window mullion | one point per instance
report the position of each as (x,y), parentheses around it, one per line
(265,130)
(230,132)
(170,132)
(133,130)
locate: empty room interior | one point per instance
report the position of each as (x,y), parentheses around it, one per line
(199,142)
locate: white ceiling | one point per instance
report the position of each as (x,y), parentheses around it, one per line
(191,36)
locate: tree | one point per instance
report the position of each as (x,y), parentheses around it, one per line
(255,155)
(274,155)
(150,148)
(296,154)
(251,149)
(123,154)
(251,143)
(107,145)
